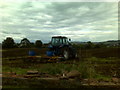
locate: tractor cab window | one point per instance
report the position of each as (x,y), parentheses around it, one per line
(65,41)
(55,41)
(59,41)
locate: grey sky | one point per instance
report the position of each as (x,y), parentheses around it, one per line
(80,21)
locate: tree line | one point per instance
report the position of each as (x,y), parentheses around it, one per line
(24,43)
(90,45)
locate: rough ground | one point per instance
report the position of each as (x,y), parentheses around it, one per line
(100,69)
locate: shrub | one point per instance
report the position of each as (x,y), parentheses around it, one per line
(8,43)
(38,43)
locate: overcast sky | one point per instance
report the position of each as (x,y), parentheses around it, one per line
(80,21)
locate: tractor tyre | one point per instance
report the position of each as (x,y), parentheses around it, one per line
(74,54)
(66,54)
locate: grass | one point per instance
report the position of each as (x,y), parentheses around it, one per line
(86,68)
(19,71)
(91,67)
(109,59)
(50,68)
(103,77)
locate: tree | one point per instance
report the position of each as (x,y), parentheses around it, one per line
(25,43)
(97,46)
(89,45)
(8,43)
(38,43)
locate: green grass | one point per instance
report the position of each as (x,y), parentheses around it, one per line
(19,71)
(93,67)
(103,77)
(103,60)
(85,68)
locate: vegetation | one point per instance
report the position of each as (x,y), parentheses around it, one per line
(38,43)
(24,43)
(8,43)
(95,62)
(91,68)
(90,45)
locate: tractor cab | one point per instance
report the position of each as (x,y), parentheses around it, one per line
(59,40)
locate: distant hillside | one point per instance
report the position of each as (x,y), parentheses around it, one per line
(109,43)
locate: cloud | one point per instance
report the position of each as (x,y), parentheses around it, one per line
(81,21)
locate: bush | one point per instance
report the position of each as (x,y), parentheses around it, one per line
(8,43)
(38,43)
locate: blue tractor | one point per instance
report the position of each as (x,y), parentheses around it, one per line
(60,46)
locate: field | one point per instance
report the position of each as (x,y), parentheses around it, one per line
(96,67)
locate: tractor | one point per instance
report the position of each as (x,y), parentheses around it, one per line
(61,46)
(58,48)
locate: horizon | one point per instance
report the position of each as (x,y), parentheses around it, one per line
(80,21)
(33,41)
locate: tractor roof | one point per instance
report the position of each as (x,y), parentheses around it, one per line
(59,37)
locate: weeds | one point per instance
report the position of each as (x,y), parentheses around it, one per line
(53,68)
(90,68)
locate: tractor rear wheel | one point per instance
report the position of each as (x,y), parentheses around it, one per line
(66,54)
